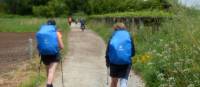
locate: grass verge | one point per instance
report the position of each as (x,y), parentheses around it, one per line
(168,57)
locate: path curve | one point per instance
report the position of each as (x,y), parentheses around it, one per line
(84,65)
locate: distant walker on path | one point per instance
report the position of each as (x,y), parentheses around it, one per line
(69,20)
(82,21)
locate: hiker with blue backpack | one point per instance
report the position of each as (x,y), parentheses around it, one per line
(119,53)
(49,44)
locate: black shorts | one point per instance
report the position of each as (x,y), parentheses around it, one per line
(48,59)
(120,71)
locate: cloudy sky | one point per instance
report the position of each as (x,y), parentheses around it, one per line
(189,3)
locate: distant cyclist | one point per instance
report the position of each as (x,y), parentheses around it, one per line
(82,22)
(119,53)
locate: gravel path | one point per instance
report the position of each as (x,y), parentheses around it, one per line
(84,65)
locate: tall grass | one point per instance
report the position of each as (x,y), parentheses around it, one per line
(168,57)
(102,29)
(173,51)
(33,78)
(154,13)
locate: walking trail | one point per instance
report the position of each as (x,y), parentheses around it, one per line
(84,65)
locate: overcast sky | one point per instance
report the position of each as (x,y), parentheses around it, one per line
(195,3)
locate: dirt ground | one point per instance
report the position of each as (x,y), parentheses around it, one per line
(13,49)
(13,52)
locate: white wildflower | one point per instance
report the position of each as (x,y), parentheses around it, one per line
(191,85)
(161,76)
(163,85)
(189,61)
(166,45)
(161,40)
(186,70)
(177,64)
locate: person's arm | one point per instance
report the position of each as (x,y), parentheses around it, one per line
(107,56)
(133,47)
(60,41)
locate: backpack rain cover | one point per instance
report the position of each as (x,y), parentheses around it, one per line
(47,41)
(120,47)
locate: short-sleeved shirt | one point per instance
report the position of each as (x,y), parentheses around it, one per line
(59,34)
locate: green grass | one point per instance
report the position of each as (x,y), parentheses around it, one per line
(33,81)
(102,30)
(173,51)
(168,57)
(26,24)
(20,24)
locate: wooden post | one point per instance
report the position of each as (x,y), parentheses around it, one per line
(30,47)
(133,28)
(141,24)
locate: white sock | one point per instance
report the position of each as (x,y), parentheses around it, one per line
(123,82)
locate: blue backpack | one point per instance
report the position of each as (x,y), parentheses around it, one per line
(120,47)
(47,42)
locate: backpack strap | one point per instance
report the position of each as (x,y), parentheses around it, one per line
(132,44)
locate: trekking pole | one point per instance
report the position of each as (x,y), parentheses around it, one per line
(107,79)
(39,68)
(131,72)
(62,72)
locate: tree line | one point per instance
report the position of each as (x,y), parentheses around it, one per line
(54,8)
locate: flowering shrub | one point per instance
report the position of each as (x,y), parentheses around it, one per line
(168,57)
(174,53)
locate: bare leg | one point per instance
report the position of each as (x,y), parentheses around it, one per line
(114,82)
(47,69)
(51,71)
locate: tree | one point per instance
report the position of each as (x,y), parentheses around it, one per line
(2,7)
(53,8)
(40,2)
(21,7)
(60,7)
(76,5)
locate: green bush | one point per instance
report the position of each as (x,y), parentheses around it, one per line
(103,30)
(154,13)
(54,8)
